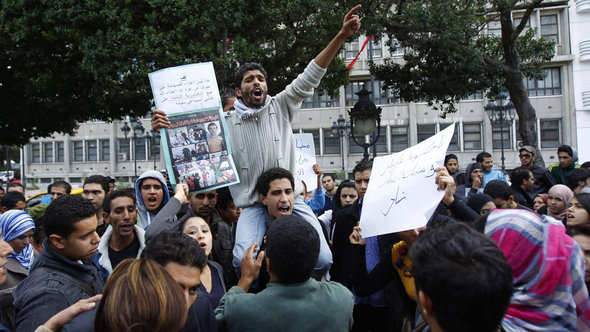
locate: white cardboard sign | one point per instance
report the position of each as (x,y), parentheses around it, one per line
(305,154)
(402,193)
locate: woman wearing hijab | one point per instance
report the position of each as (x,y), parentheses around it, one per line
(558,200)
(548,272)
(17,230)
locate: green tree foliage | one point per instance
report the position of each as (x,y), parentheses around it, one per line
(64,62)
(449,57)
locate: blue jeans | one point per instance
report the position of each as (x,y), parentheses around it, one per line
(252,228)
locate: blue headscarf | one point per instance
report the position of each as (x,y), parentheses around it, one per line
(15,223)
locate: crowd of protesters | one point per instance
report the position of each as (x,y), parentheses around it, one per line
(502,252)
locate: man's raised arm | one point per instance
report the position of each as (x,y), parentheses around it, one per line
(351,24)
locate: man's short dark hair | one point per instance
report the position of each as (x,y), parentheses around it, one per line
(465,275)
(106,203)
(450,156)
(328,175)
(567,149)
(481,156)
(60,184)
(14,184)
(102,180)
(578,174)
(226,94)
(363,165)
(11,198)
(293,247)
(518,175)
(64,212)
(239,74)
(263,183)
(223,198)
(498,189)
(174,246)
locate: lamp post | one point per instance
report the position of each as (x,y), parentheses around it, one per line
(499,114)
(155,144)
(138,131)
(341,127)
(365,116)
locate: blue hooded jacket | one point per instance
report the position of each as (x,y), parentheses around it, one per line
(144,217)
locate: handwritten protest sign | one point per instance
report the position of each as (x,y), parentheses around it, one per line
(402,193)
(305,154)
(185,88)
(196,149)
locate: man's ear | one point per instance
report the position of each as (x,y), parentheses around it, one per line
(425,304)
(511,198)
(262,199)
(106,217)
(238,92)
(58,241)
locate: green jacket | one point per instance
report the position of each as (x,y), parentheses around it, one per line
(560,174)
(307,306)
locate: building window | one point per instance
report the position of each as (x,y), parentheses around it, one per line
(377,48)
(59,147)
(382,96)
(48,152)
(494,28)
(91,152)
(472,136)
(45,180)
(78,150)
(105,153)
(550,137)
(399,138)
(75,180)
(154,152)
(331,142)
(475,96)
(354,148)
(550,85)
(527,26)
(35,153)
(454,145)
(549,29)
(320,100)
(123,149)
(425,132)
(398,50)
(352,49)
(497,136)
(381,144)
(139,152)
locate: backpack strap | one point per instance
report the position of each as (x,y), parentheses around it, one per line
(80,284)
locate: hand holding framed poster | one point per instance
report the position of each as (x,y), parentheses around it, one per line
(196,148)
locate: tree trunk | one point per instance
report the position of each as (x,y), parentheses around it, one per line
(527,115)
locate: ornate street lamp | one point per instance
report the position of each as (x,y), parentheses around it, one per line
(365,116)
(500,114)
(138,131)
(342,128)
(155,144)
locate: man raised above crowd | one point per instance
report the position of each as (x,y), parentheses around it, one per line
(262,138)
(152,195)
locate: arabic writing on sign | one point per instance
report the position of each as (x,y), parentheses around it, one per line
(185,88)
(402,193)
(305,159)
